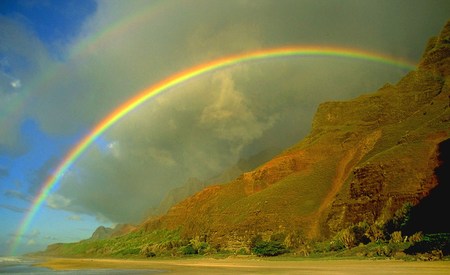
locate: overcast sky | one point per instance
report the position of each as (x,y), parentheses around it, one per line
(64,65)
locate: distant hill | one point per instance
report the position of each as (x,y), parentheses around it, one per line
(103,232)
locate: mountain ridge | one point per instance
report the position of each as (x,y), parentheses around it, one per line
(371,135)
(364,161)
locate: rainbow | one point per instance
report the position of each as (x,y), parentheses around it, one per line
(177,79)
(89,44)
(151,12)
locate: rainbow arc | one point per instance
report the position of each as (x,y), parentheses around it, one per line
(177,79)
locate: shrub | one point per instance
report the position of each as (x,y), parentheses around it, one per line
(188,250)
(242,251)
(430,242)
(396,237)
(323,246)
(347,237)
(294,240)
(416,237)
(278,237)
(203,248)
(360,233)
(384,250)
(254,240)
(304,249)
(334,245)
(199,246)
(269,248)
(375,232)
(434,255)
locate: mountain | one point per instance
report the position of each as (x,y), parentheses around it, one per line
(193,185)
(377,162)
(174,196)
(102,233)
(363,161)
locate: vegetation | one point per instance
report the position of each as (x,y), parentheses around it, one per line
(273,247)
(345,179)
(357,240)
(431,242)
(386,239)
(269,248)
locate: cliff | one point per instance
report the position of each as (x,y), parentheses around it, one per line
(194,185)
(363,160)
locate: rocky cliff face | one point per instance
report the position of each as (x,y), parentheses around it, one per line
(414,117)
(363,160)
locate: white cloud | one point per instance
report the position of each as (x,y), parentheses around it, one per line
(31,242)
(57,201)
(114,148)
(74,218)
(16,84)
(35,233)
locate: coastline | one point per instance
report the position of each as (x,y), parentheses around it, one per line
(235,265)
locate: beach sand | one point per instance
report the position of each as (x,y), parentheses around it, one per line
(254,266)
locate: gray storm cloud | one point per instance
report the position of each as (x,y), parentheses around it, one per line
(205,125)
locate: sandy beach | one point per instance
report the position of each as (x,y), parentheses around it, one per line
(254,266)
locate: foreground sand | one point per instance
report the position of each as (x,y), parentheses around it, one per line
(255,266)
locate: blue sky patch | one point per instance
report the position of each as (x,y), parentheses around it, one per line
(55,22)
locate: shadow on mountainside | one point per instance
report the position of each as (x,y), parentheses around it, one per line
(430,215)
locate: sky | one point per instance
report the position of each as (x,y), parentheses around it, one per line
(66,65)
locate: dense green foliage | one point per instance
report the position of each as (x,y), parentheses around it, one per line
(362,239)
(138,243)
(430,242)
(269,248)
(188,250)
(379,239)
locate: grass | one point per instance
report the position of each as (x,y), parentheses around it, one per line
(129,245)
